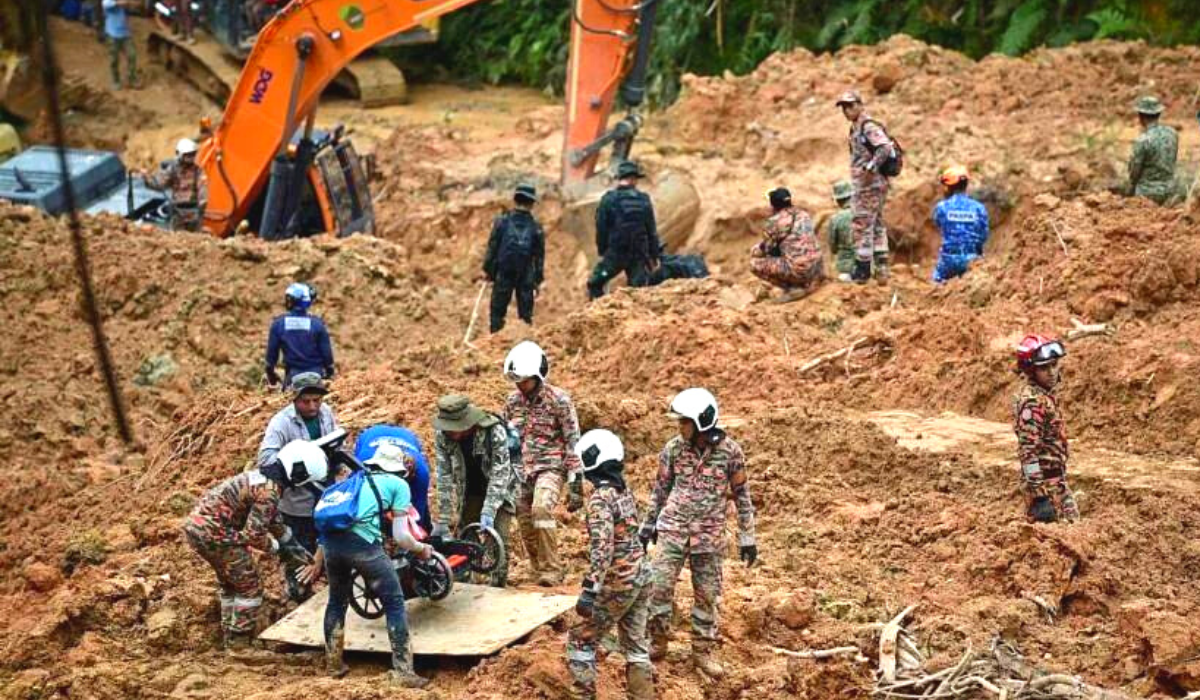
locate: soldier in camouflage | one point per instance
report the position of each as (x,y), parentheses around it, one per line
(1041,436)
(616,589)
(870,147)
(187,184)
(1152,163)
(698,471)
(549,428)
(241,514)
(788,256)
(476,480)
(841,233)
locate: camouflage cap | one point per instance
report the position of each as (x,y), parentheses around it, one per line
(849,97)
(308,383)
(628,168)
(457,413)
(842,189)
(1148,104)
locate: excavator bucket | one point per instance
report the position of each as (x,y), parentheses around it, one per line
(676,208)
(471,621)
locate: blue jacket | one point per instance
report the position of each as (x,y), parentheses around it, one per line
(304,342)
(370,440)
(964,225)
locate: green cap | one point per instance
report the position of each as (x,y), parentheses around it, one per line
(1148,104)
(456,412)
(842,189)
(308,383)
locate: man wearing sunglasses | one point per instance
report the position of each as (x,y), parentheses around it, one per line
(1041,436)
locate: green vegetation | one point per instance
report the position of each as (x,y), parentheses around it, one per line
(524,41)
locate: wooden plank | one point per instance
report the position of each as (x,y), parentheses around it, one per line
(472,621)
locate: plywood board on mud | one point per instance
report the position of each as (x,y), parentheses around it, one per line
(472,621)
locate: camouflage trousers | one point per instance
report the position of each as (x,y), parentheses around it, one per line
(1059,494)
(668,560)
(782,272)
(628,610)
(536,498)
(870,233)
(241,592)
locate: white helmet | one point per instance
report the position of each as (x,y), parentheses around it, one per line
(697,405)
(304,462)
(184,147)
(526,360)
(391,458)
(597,447)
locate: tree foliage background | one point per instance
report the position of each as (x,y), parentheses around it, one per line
(525,41)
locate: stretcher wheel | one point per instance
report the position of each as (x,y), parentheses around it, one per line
(492,554)
(363,600)
(433,579)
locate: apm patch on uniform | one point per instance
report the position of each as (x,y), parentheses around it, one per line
(1027,414)
(297,323)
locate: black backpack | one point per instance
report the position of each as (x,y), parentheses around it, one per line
(895,163)
(674,267)
(632,237)
(516,243)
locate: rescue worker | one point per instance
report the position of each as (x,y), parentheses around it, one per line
(241,514)
(360,550)
(120,40)
(963,222)
(870,147)
(516,255)
(1152,163)
(616,589)
(187,184)
(545,418)
(476,479)
(1041,435)
(303,340)
(841,234)
(697,471)
(626,234)
(789,255)
(370,440)
(307,417)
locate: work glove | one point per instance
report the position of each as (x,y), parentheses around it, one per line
(575,496)
(648,534)
(487,521)
(440,532)
(272,377)
(585,607)
(748,553)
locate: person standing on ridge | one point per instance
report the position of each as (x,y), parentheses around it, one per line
(870,150)
(302,339)
(516,256)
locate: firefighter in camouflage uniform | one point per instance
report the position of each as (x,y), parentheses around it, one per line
(616,589)
(698,471)
(187,184)
(1041,435)
(549,428)
(626,234)
(870,148)
(241,514)
(789,255)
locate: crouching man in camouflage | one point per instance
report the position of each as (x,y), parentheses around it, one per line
(242,513)
(616,589)
(696,470)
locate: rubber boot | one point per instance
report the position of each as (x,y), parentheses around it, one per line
(334,648)
(402,673)
(882,271)
(639,682)
(660,637)
(704,661)
(549,569)
(862,272)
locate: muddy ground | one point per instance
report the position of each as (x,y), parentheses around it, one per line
(867,502)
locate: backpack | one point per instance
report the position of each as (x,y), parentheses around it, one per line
(516,244)
(895,163)
(674,267)
(632,237)
(337,509)
(514,440)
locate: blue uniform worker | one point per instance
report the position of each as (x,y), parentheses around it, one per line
(418,479)
(302,339)
(963,222)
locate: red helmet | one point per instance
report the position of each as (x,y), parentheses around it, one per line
(1037,350)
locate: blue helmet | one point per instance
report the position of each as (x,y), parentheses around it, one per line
(299,296)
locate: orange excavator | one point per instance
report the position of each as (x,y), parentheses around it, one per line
(268,166)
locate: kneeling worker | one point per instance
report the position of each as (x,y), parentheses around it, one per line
(963,222)
(476,480)
(789,255)
(617,587)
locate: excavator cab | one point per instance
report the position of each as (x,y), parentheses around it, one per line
(339,185)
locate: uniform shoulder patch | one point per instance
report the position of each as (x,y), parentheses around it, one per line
(257,478)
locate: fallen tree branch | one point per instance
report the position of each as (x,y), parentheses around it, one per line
(888,645)
(1083,330)
(819,653)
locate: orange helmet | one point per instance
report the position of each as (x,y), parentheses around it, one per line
(954,174)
